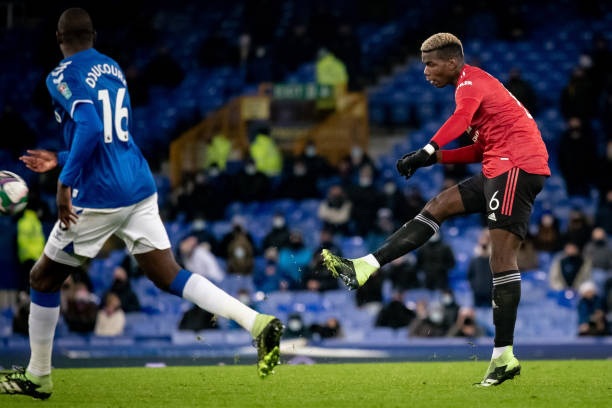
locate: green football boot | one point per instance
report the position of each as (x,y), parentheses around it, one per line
(19,381)
(267,332)
(503,368)
(353,272)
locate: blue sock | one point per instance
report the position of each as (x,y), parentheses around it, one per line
(179,282)
(43,299)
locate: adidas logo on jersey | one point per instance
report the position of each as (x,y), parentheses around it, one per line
(492,217)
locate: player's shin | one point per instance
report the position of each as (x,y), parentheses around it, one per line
(409,237)
(44,314)
(506,298)
(209,297)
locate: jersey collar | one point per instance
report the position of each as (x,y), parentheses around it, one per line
(80,54)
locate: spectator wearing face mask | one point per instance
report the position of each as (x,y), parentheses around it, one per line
(111,318)
(295,327)
(330,329)
(279,234)
(577,146)
(335,211)
(315,278)
(466,325)
(394,200)
(569,269)
(198,258)
(599,250)
(294,259)
(367,199)
(268,278)
(603,217)
(548,237)
(591,316)
(239,249)
(578,229)
(428,321)
(383,228)
(298,184)
(316,164)
(251,184)
(436,259)
(123,290)
(449,307)
(358,159)
(81,308)
(479,272)
(395,314)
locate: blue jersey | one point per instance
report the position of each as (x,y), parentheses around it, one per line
(115,174)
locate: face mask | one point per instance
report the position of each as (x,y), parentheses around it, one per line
(389,188)
(436,316)
(295,325)
(213,172)
(356,153)
(250,170)
(447,299)
(299,170)
(239,253)
(246,299)
(278,222)
(600,242)
(310,151)
(365,181)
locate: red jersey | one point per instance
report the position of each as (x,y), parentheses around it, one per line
(504,133)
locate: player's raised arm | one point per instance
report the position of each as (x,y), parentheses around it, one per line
(442,55)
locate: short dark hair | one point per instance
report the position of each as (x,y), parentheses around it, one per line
(75,27)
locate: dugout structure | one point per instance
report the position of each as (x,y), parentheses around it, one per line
(295,113)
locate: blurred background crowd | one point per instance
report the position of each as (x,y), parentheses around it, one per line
(254,220)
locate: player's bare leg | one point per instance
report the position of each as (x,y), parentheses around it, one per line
(506,296)
(159,266)
(413,234)
(46,279)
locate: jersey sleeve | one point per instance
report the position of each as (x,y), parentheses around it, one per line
(468,98)
(86,138)
(467,154)
(67,89)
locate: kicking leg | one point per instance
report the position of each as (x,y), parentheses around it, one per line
(506,296)
(160,266)
(413,234)
(46,278)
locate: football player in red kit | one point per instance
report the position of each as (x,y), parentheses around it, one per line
(514,167)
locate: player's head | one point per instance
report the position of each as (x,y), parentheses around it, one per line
(75,29)
(442,54)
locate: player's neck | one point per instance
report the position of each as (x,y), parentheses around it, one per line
(70,50)
(458,74)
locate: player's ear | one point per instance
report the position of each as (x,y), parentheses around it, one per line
(94,37)
(58,37)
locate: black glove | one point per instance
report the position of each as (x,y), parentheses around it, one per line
(407,165)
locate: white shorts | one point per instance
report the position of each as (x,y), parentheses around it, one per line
(138,225)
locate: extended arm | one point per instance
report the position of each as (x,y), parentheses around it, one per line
(467,154)
(452,129)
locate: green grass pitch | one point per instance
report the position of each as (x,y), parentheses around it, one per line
(431,384)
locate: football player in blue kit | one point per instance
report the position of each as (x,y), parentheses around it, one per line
(106,188)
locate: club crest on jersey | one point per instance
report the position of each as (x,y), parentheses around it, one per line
(64,90)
